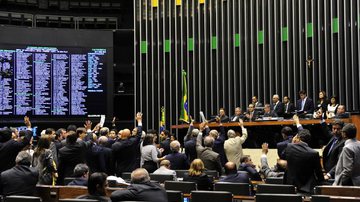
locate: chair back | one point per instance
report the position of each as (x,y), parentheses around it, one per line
(126,176)
(67,180)
(15,198)
(278,197)
(184,187)
(212,173)
(174,196)
(211,196)
(276,189)
(161,177)
(78,200)
(274,180)
(181,173)
(242,189)
(320,198)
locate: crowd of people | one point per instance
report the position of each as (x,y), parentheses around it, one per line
(91,154)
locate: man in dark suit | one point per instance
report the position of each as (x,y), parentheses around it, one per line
(268,112)
(303,164)
(305,104)
(178,160)
(73,153)
(101,157)
(125,150)
(287,134)
(21,179)
(247,165)
(277,106)
(190,142)
(9,147)
(219,140)
(238,115)
(210,158)
(251,114)
(222,117)
(141,189)
(165,142)
(255,102)
(288,107)
(341,112)
(333,149)
(232,175)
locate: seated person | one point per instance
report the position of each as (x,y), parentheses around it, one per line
(165,169)
(341,112)
(196,174)
(97,188)
(232,175)
(268,112)
(222,117)
(251,114)
(238,115)
(140,189)
(319,114)
(247,165)
(21,179)
(265,170)
(81,174)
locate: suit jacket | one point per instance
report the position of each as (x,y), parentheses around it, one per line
(254,117)
(303,167)
(288,109)
(348,167)
(166,146)
(308,107)
(236,178)
(19,180)
(219,145)
(236,118)
(330,159)
(190,145)
(233,147)
(147,191)
(270,114)
(101,160)
(253,173)
(69,156)
(126,153)
(278,109)
(342,116)
(10,149)
(178,161)
(210,158)
(223,119)
(202,181)
(281,146)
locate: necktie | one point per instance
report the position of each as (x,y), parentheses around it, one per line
(332,145)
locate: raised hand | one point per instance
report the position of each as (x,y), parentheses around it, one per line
(87,125)
(27,121)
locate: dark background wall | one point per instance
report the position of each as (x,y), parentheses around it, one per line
(234,49)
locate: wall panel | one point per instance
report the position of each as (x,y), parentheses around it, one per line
(234,49)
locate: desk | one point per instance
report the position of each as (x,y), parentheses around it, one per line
(262,123)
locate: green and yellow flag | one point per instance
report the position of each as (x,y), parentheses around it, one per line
(162,120)
(184,115)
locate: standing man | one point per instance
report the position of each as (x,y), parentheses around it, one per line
(255,102)
(348,167)
(289,107)
(233,145)
(303,164)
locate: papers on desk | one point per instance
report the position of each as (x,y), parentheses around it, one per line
(118,180)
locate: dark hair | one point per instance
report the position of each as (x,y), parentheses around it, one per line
(304,135)
(80,131)
(148,140)
(152,131)
(335,97)
(71,128)
(324,93)
(58,132)
(116,132)
(5,134)
(287,131)
(96,180)
(349,130)
(302,92)
(80,170)
(338,122)
(287,97)
(72,137)
(244,158)
(42,144)
(49,131)
(167,133)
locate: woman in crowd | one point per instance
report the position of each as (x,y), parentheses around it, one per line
(97,184)
(332,107)
(149,154)
(322,101)
(196,174)
(43,160)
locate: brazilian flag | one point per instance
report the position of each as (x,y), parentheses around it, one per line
(162,119)
(184,115)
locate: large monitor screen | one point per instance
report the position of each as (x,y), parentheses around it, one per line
(58,73)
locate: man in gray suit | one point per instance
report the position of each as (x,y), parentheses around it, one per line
(347,170)
(210,158)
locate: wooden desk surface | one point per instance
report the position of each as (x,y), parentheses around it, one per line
(262,123)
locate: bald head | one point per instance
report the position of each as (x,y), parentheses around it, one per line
(103,140)
(230,168)
(125,134)
(140,175)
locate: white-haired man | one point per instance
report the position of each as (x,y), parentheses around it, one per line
(233,145)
